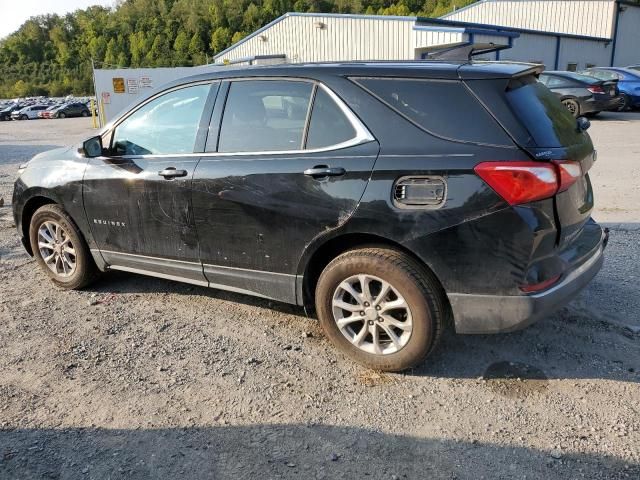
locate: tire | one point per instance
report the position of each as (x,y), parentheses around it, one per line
(85,113)
(625,103)
(423,318)
(24,117)
(84,270)
(573,106)
(62,115)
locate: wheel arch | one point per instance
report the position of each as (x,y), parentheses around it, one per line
(323,254)
(30,207)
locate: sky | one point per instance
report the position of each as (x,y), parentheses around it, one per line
(14,13)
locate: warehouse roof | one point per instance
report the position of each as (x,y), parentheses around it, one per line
(445,22)
(583,18)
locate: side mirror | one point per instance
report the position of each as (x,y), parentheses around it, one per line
(583,124)
(92,147)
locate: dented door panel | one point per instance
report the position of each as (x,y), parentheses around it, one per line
(131,209)
(260,211)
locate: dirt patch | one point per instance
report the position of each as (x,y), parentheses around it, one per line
(515,379)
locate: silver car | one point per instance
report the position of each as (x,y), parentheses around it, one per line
(28,113)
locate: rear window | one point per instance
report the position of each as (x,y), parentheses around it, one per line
(579,77)
(548,122)
(442,108)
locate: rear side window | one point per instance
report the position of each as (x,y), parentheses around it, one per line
(548,122)
(328,125)
(443,108)
(265,115)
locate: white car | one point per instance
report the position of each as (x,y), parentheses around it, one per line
(28,113)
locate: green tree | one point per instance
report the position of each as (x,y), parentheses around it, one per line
(52,53)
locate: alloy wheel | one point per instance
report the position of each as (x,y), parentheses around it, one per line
(56,249)
(571,106)
(372,314)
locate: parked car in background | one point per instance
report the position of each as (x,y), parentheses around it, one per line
(357,190)
(6,113)
(47,112)
(628,83)
(28,113)
(582,94)
(76,109)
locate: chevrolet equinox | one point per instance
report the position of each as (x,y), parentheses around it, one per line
(392,198)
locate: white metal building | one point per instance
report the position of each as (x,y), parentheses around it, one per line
(562,34)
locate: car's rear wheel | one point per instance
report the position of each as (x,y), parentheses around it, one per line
(380,307)
(625,103)
(60,249)
(85,113)
(573,106)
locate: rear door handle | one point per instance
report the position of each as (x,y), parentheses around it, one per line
(171,172)
(324,171)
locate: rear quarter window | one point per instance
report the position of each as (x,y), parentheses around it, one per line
(444,108)
(549,123)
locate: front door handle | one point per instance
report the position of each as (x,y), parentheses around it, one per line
(171,172)
(320,171)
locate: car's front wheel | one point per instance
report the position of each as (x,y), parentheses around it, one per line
(62,115)
(60,249)
(380,307)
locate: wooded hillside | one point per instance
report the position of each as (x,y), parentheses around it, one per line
(51,55)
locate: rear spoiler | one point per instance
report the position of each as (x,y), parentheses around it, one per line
(507,70)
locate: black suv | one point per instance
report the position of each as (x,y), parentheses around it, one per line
(390,197)
(76,109)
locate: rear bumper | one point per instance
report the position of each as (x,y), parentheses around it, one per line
(502,313)
(602,104)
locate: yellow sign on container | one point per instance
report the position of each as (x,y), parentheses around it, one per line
(118,85)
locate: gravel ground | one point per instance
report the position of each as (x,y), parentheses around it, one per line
(144,378)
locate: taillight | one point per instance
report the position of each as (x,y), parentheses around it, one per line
(569,173)
(537,287)
(595,89)
(520,182)
(525,182)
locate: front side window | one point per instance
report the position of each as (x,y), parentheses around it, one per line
(166,125)
(265,115)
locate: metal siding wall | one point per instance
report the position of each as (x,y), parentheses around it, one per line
(498,40)
(531,47)
(342,39)
(628,44)
(578,17)
(583,52)
(423,38)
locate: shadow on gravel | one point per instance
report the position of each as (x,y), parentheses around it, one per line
(616,116)
(571,344)
(121,282)
(21,153)
(280,451)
